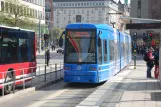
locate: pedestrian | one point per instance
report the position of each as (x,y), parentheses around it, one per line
(52,46)
(47,54)
(149,62)
(156,62)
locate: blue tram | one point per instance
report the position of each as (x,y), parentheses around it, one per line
(93,53)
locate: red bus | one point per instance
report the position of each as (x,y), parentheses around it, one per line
(17,51)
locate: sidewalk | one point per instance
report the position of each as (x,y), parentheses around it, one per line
(129,88)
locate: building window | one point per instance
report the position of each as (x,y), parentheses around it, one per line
(64,11)
(73,11)
(82,11)
(92,11)
(2,5)
(69,11)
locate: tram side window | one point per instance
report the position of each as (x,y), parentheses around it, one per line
(111,42)
(122,46)
(9,50)
(118,52)
(23,45)
(125,49)
(115,51)
(105,50)
(100,53)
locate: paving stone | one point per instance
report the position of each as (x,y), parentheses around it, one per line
(111,104)
(150,103)
(125,104)
(107,100)
(88,103)
(104,105)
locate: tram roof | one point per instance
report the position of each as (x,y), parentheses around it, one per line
(89,26)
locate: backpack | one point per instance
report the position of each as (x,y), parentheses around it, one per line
(145,57)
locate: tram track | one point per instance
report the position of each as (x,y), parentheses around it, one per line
(74,94)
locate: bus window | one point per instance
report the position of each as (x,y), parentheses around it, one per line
(23,45)
(32,49)
(9,50)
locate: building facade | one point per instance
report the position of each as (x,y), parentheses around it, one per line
(35,7)
(147,9)
(85,11)
(49,13)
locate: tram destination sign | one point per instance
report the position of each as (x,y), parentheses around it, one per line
(143,26)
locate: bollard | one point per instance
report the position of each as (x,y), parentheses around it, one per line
(39,75)
(14,81)
(23,79)
(50,71)
(32,76)
(135,59)
(60,70)
(56,71)
(45,73)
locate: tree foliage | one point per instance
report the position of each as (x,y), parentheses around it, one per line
(15,13)
(56,32)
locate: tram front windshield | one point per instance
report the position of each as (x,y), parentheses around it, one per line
(80,47)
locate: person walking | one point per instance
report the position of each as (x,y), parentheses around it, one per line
(47,54)
(149,62)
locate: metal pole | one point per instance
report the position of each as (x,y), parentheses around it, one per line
(134,58)
(45,73)
(23,79)
(39,35)
(3,78)
(32,76)
(14,79)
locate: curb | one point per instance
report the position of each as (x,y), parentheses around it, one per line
(26,91)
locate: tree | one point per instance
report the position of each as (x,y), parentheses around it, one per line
(15,13)
(55,34)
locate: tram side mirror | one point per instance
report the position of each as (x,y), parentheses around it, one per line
(61,39)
